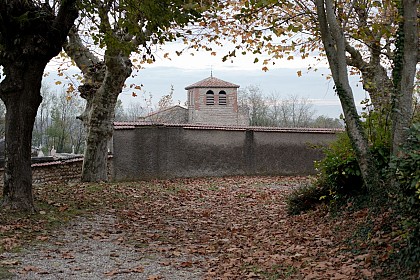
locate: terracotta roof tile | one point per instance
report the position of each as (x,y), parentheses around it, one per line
(212,82)
(163,110)
(133,125)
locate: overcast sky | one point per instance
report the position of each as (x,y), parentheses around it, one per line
(282,78)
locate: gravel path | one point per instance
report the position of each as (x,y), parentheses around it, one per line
(93,248)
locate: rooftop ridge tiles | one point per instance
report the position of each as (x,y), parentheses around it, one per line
(212,82)
(132,125)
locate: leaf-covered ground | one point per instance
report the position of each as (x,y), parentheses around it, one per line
(230,228)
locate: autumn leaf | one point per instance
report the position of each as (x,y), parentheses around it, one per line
(112,272)
(138,269)
(10,262)
(67,256)
(30,268)
(42,238)
(186,264)
(299,73)
(63,208)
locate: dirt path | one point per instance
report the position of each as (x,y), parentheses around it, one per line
(92,248)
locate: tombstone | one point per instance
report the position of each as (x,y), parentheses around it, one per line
(53,152)
(40,152)
(1,152)
(2,148)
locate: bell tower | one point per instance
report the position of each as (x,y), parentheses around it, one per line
(214,101)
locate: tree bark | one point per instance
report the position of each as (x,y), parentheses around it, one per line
(104,82)
(21,107)
(404,73)
(375,78)
(101,117)
(335,48)
(30,35)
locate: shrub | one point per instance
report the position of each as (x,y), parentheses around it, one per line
(406,170)
(304,198)
(339,171)
(405,173)
(339,176)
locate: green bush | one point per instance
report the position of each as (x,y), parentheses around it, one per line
(339,171)
(405,173)
(339,176)
(406,170)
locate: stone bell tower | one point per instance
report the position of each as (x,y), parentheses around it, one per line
(214,101)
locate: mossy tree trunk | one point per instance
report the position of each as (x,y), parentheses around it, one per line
(335,47)
(405,62)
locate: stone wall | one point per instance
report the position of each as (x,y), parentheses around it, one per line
(169,151)
(58,171)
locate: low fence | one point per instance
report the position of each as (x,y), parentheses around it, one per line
(143,151)
(58,171)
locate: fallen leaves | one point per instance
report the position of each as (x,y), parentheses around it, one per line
(233,228)
(240,220)
(138,269)
(67,255)
(10,262)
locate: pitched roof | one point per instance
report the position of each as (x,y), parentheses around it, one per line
(212,82)
(164,110)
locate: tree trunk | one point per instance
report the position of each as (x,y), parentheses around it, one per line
(31,34)
(404,72)
(22,103)
(335,48)
(375,78)
(101,111)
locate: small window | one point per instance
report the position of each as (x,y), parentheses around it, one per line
(222,97)
(191,96)
(210,97)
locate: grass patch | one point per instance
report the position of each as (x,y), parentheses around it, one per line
(5,273)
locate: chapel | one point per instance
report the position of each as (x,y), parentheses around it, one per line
(211,101)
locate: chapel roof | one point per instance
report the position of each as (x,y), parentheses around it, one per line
(171,108)
(212,82)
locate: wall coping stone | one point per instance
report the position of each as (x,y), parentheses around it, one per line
(58,161)
(133,125)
